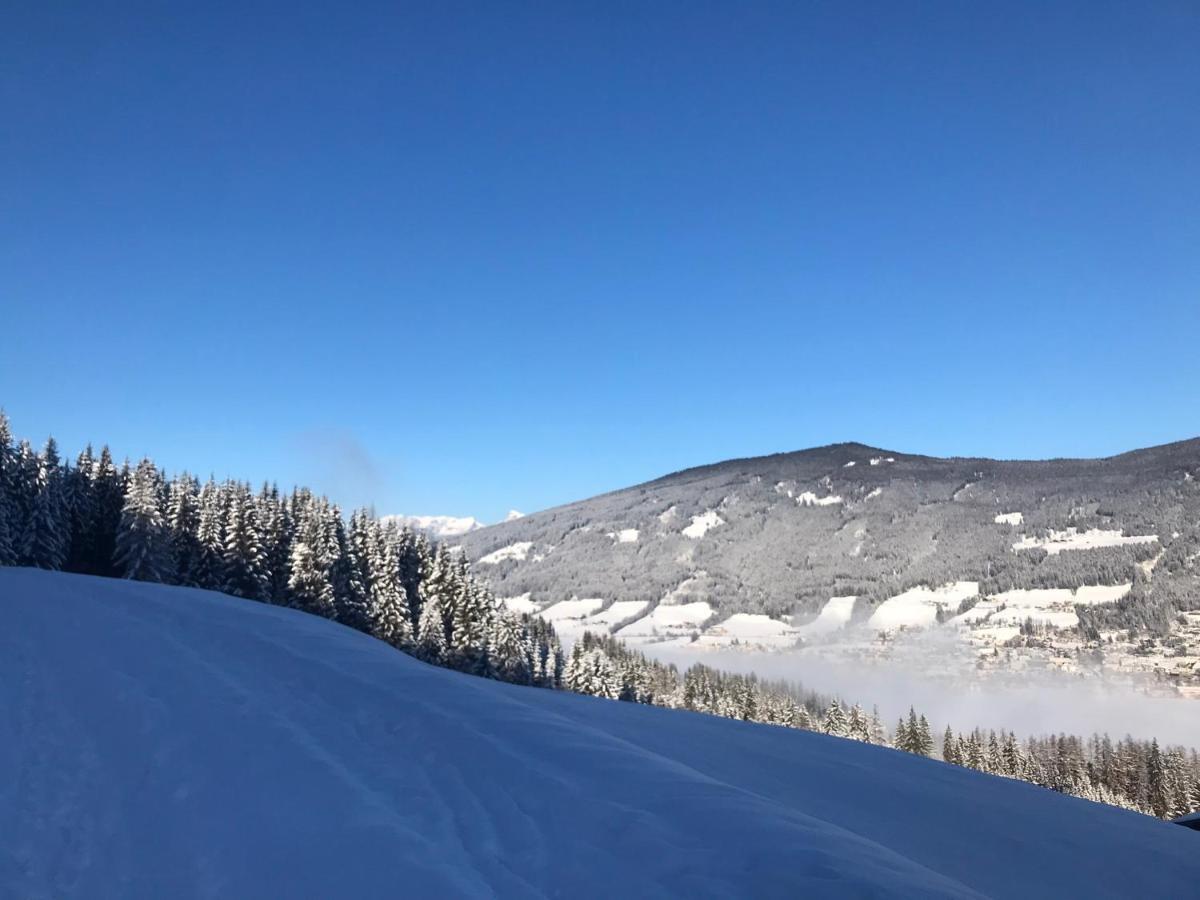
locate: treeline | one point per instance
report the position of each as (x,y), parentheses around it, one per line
(297,550)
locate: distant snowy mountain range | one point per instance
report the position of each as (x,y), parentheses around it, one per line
(1083,564)
(439,527)
(171,742)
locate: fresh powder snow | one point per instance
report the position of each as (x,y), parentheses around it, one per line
(173,742)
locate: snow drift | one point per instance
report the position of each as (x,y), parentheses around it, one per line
(173,742)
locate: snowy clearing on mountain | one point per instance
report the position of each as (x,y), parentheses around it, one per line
(519,550)
(1070,539)
(701,524)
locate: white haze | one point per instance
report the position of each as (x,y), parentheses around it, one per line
(1043,702)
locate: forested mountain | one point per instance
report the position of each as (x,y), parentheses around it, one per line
(780,536)
(298,550)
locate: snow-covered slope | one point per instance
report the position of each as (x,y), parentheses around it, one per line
(172,742)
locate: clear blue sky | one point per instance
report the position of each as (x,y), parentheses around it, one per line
(454,258)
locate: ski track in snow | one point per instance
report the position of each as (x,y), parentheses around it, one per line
(175,742)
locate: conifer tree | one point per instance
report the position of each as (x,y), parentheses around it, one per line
(243,557)
(81,503)
(431,631)
(143,543)
(45,541)
(183,522)
(8,554)
(24,492)
(391,619)
(834,721)
(208,568)
(857,727)
(950,748)
(108,498)
(355,602)
(309,585)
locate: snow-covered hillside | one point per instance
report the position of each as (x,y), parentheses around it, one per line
(173,742)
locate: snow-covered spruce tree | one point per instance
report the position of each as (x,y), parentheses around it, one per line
(109,485)
(183,522)
(275,524)
(309,586)
(8,554)
(391,618)
(143,545)
(510,651)
(472,620)
(857,726)
(436,591)
(81,506)
(950,748)
(24,489)
(431,631)
(355,606)
(244,560)
(207,566)
(834,721)
(47,525)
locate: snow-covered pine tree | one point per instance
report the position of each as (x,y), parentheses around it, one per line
(208,567)
(8,554)
(354,606)
(143,544)
(243,557)
(857,727)
(510,654)
(276,526)
(834,721)
(472,622)
(47,525)
(81,504)
(437,591)
(108,486)
(24,490)
(950,748)
(391,619)
(309,585)
(183,522)
(803,718)
(431,630)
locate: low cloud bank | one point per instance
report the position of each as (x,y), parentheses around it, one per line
(1044,702)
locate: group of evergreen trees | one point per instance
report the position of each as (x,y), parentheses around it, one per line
(299,551)
(93,517)
(1133,774)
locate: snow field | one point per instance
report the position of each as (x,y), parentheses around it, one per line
(517,551)
(1058,541)
(917,607)
(171,742)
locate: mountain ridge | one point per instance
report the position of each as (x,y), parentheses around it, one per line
(782,535)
